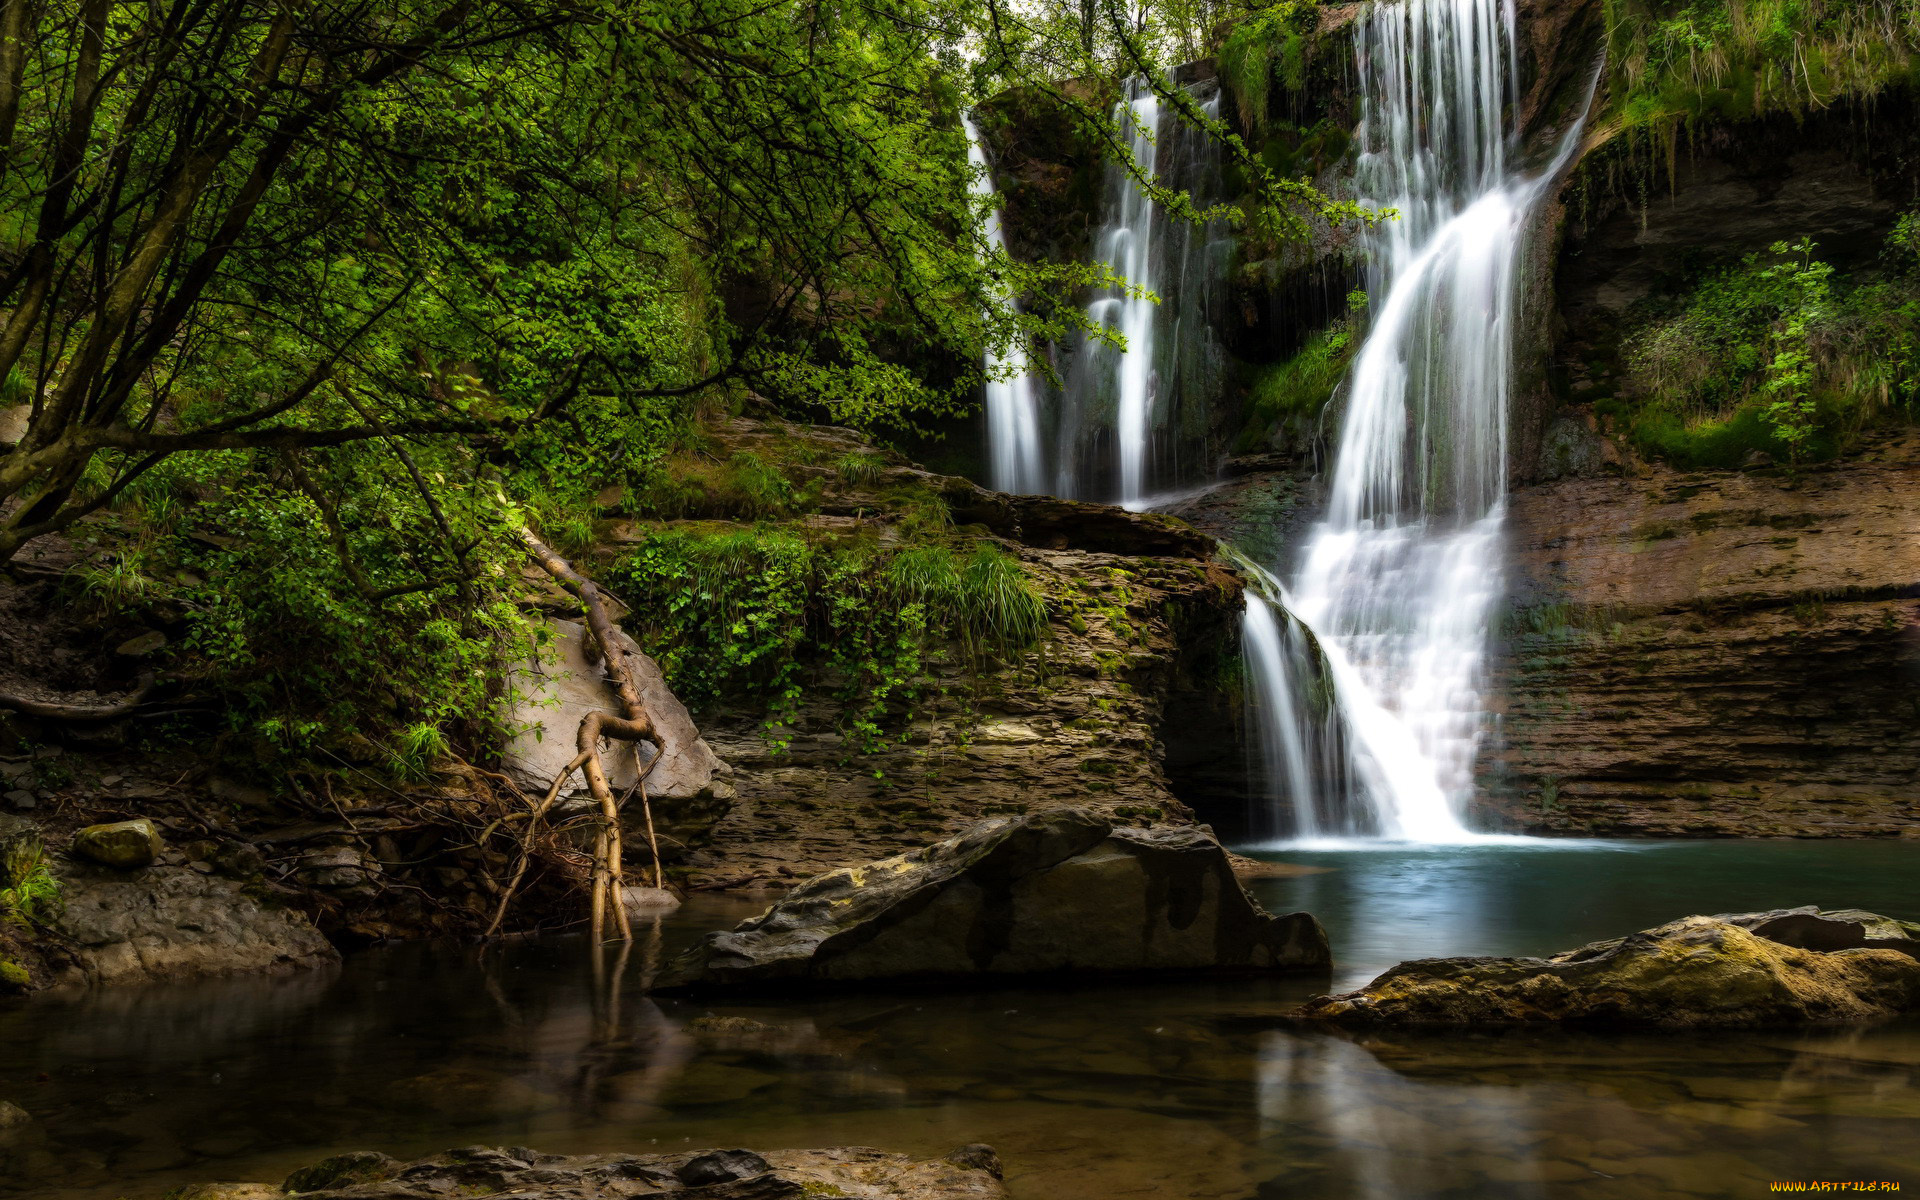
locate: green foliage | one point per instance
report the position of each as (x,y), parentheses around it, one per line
(1672,63)
(1774,355)
(29,891)
(1287,397)
(744,487)
(326,603)
(766,613)
(860,468)
(323,301)
(1268,47)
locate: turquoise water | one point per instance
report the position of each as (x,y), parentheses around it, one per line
(1178,1090)
(1384,904)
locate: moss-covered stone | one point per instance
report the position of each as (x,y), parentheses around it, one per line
(343,1170)
(122,844)
(1739,970)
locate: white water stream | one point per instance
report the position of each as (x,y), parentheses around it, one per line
(1398,582)
(1126,245)
(1014,453)
(1128,419)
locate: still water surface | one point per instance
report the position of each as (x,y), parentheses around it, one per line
(1183,1090)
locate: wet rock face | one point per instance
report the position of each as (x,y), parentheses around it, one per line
(1058,893)
(969,1173)
(1789,967)
(1716,653)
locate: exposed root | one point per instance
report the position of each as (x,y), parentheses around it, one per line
(608,884)
(79,713)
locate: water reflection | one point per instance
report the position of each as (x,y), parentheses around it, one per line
(1198,1090)
(1543,1113)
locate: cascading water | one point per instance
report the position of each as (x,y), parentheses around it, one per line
(1014,456)
(1397,583)
(1126,246)
(1123,409)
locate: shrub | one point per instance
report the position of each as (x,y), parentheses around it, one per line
(763,613)
(1775,355)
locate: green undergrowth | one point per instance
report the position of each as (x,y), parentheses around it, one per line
(1671,64)
(1776,356)
(768,613)
(29,891)
(358,607)
(1285,399)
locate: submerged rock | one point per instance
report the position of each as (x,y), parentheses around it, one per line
(123,844)
(1062,892)
(969,1173)
(1786,967)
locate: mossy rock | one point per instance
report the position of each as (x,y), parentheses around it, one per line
(1787,967)
(14,977)
(122,844)
(343,1170)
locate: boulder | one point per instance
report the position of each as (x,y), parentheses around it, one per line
(123,844)
(1809,928)
(969,1173)
(1062,892)
(1786,967)
(555,693)
(343,1170)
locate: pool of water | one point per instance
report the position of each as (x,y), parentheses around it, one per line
(1178,1090)
(1383,904)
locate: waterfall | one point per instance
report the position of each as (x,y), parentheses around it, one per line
(1130,416)
(1278,704)
(1012,394)
(1398,582)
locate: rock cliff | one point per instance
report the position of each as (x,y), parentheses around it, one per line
(1715,653)
(1140,637)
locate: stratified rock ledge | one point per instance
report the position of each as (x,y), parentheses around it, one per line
(1058,893)
(969,1173)
(1785,967)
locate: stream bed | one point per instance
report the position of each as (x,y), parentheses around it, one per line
(1173,1090)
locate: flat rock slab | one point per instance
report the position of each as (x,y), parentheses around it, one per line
(175,923)
(1059,893)
(516,1173)
(1786,967)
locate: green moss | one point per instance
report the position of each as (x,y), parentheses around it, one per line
(13,976)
